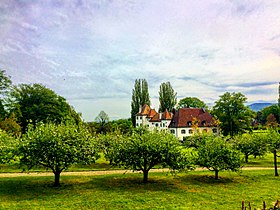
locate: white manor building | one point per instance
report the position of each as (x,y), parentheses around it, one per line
(180,122)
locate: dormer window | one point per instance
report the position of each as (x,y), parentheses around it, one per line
(189,123)
(203,123)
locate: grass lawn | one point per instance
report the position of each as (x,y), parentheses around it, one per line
(265,161)
(194,190)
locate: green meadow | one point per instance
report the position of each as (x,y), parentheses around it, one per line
(189,190)
(193,190)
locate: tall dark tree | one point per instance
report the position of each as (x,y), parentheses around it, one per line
(191,102)
(140,96)
(232,113)
(167,97)
(279,95)
(5,85)
(36,103)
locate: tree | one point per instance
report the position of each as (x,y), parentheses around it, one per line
(271,121)
(140,97)
(57,147)
(36,103)
(273,140)
(263,115)
(123,126)
(233,115)
(167,97)
(102,118)
(109,143)
(191,102)
(216,154)
(144,150)
(101,125)
(7,146)
(10,125)
(250,144)
(5,85)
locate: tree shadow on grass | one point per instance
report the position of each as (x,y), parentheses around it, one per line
(22,188)
(205,179)
(132,183)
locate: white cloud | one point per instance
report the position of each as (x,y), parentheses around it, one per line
(92,51)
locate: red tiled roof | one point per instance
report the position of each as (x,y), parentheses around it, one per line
(155,118)
(144,110)
(183,116)
(166,115)
(152,113)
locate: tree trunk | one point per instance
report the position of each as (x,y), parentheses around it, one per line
(246,158)
(145,178)
(275,162)
(56,179)
(216,174)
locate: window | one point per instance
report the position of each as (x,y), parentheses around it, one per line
(214,130)
(189,123)
(183,131)
(136,118)
(203,123)
(190,131)
(204,130)
(140,118)
(172,131)
(137,124)
(156,124)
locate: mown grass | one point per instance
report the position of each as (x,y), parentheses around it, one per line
(265,161)
(194,190)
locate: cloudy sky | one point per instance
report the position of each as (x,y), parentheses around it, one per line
(91,51)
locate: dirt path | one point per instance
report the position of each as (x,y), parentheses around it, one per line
(96,173)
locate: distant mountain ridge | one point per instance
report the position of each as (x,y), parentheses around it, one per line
(259,106)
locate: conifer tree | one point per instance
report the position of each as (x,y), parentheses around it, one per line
(167,97)
(140,96)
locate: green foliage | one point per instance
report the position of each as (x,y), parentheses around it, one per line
(273,140)
(140,97)
(8,145)
(216,154)
(5,82)
(10,125)
(167,97)
(123,126)
(191,102)
(57,147)
(5,85)
(146,150)
(36,103)
(109,144)
(102,118)
(233,115)
(263,114)
(102,123)
(250,144)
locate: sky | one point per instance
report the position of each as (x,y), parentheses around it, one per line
(91,51)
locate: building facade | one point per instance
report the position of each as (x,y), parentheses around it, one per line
(182,123)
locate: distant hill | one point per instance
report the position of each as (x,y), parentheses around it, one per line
(259,106)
